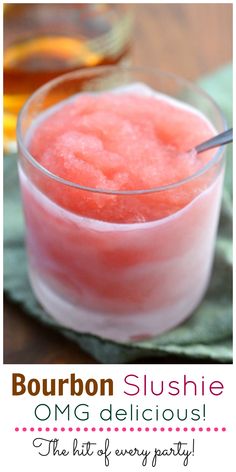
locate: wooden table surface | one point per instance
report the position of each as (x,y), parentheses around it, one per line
(188,39)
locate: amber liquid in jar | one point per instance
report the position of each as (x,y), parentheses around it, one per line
(43,41)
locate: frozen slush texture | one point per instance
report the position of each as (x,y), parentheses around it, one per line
(122,141)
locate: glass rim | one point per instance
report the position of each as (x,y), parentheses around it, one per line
(91,70)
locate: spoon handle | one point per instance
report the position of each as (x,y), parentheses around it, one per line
(219,140)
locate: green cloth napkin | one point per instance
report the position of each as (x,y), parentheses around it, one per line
(206,336)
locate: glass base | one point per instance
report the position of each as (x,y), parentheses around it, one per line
(131,327)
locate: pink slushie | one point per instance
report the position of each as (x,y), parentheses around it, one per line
(124,247)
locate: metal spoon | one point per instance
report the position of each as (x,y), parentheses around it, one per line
(219,140)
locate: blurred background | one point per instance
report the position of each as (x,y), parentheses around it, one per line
(42,41)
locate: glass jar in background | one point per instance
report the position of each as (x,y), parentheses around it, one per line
(42,41)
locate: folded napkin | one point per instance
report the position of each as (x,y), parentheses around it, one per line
(205,337)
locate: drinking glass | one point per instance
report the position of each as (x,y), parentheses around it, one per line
(122,280)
